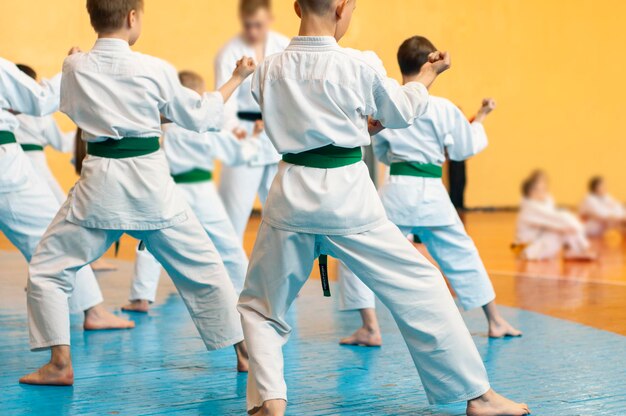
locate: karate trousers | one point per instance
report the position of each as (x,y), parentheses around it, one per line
(206,204)
(455,253)
(412,288)
(184,250)
(25,214)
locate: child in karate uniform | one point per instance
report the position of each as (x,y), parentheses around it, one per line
(543,230)
(316,98)
(27,204)
(600,211)
(116,96)
(416,200)
(240,184)
(191,156)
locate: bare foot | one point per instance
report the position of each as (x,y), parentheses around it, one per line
(363,337)
(242,357)
(101,265)
(275,407)
(501,328)
(492,404)
(98,318)
(58,372)
(140,305)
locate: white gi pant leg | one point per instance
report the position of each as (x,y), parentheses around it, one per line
(146,278)
(40,164)
(353,294)
(207,206)
(239,186)
(546,246)
(458,258)
(24,217)
(187,254)
(413,289)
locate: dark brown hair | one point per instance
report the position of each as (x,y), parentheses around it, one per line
(250,7)
(413,54)
(317,7)
(594,183)
(529,183)
(108,15)
(27,70)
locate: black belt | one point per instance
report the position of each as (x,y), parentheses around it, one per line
(249,116)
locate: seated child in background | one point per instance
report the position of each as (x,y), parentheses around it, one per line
(545,230)
(599,210)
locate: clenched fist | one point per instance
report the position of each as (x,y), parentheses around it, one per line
(245,67)
(73,50)
(439,61)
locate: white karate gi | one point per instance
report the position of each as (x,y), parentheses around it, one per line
(239,185)
(112,92)
(312,95)
(600,211)
(185,151)
(545,230)
(422,206)
(44,131)
(27,205)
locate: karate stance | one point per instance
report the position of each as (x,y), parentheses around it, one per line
(191,157)
(316,98)
(416,200)
(116,97)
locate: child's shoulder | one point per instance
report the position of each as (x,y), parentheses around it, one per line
(368,60)
(280,39)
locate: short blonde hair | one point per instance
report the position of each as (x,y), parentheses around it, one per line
(250,7)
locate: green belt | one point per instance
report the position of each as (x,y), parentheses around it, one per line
(327,157)
(6,137)
(421,170)
(192,176)
(123,148)
(31,147)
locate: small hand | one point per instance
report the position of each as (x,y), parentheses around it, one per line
(259,126)
(245,67)
(73,50)
(439,61)
(488,105)
(239,133)
(374,126)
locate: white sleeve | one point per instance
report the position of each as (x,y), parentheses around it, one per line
(24,95)
(461,138)
(233,152)
(381,148)
(186,107)
(63,142)
(396,106)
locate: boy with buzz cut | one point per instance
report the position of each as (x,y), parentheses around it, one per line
(116,97)
(416,200)
(240,184)
(316,98)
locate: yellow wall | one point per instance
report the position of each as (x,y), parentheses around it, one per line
(555,67)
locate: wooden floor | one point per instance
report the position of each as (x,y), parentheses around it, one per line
(591,293)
